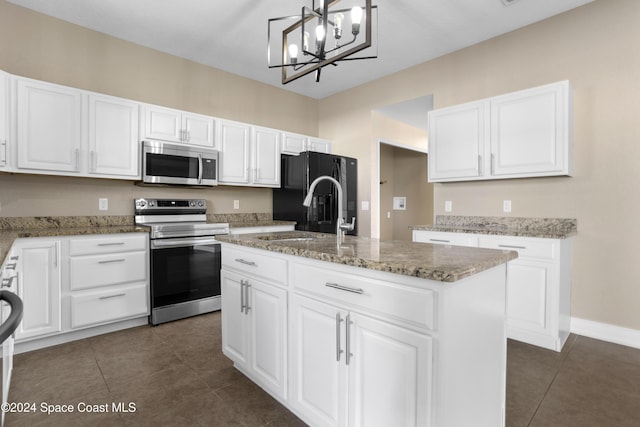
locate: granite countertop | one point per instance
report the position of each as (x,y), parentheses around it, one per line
(12,228)
(435,262)
(548,228)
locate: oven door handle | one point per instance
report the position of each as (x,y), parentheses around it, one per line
(182,242)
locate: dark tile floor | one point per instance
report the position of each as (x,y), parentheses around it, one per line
(176,375)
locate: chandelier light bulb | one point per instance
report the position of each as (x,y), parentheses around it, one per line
(356,17)
(337,30)
(293,53)
(305,42)
(319,33)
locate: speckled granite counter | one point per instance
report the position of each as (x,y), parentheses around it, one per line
(550,228)
(12,228)
(434,262)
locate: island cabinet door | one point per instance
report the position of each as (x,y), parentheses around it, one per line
(390,374)
(318,368)
(235,324)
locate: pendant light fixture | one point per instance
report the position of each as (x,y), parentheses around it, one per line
(321,35)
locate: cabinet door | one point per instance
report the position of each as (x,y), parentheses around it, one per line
(293,143)
(198,130)
(527,296)
(4,120)
(39,287)
(266,157)
(530,132)
(390,374)
(317,365)
(49,124)
(113,136)
(319,145)
(456,142)
(268,316)
(162,123)
(235,326)
(235,145)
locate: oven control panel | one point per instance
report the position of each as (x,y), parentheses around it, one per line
(177,205)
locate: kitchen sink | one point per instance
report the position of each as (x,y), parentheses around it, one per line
(291,237)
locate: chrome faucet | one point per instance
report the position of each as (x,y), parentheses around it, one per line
(341,226)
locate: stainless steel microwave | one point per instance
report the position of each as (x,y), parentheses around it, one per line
(164,163)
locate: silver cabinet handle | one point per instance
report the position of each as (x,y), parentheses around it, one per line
(480,165)
(348,338)
(112,296)
(440,240)
(11,266)
(93,160)
(338,349)
(493,164)
(512,247)
(3,158)
(245,262)
(344,288)
(111,244)
(109,261)
(242,296)
(247,307)
(77,159)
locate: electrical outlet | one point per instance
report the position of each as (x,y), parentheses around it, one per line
(506,206)
(448,206)
(103,204)
(365,205)
(236,204)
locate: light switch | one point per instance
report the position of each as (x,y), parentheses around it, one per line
(103,204)
(506,206)
(365,205)
(236,204)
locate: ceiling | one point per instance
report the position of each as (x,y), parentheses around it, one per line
(232,34)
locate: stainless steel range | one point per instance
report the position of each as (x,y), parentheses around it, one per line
(185,257)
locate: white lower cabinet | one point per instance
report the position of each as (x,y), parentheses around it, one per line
(254,329)
(72,283)
(38,284)
(348,369)
(538,283)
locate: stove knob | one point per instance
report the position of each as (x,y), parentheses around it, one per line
(141,204)
(192,203)
(201,203)
(152,203)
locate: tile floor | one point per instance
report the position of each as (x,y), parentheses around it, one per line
(176,375)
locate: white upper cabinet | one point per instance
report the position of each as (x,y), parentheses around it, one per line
(531,132)
(235,145)
(113,136)
(521,134)
(293,143)
(266,157)
(167,124)
(49,126)
(456,142)
(4,121)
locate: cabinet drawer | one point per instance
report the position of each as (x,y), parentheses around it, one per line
(115,303)
(410,305)
(253,262)
(526,247)
(443,238)
(108,244)
(110,269)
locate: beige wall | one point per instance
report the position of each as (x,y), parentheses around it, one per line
(595,47)
(44,48)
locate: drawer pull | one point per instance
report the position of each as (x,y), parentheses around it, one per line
(440,240)
(111,260)
(112,296)
(344,288)
(11,266)
(111,244)
(6,283)
(245,262)
(512,247)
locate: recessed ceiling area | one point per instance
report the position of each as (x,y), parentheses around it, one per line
(231,35)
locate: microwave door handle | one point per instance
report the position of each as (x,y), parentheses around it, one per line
(199,168)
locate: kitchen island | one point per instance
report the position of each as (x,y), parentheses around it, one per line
(367,332)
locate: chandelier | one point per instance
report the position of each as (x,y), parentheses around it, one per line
(321,35)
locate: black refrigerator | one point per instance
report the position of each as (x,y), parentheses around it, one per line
(297,174)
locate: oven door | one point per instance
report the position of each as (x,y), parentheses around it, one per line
(184,269)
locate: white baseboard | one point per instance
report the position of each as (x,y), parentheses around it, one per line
(606,332)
